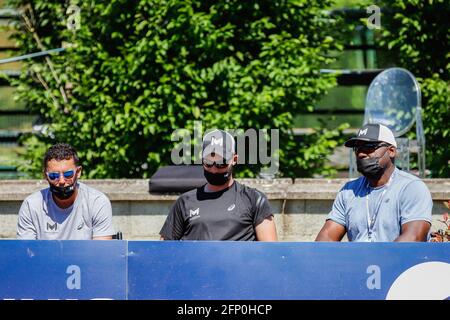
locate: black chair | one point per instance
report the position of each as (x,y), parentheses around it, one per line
(176,179)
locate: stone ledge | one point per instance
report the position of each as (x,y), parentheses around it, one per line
(277,189)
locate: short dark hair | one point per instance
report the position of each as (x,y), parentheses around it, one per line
(61,151)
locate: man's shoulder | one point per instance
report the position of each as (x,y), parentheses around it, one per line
(240,188)
(37,196)
(354,184)
(249,191)
(409,185)
(191,193)
(406,177)
(90,192)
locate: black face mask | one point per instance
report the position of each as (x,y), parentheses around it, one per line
(370,167)
(217,179)
(62,193)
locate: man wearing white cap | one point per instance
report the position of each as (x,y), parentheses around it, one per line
(385,204)
(222,209)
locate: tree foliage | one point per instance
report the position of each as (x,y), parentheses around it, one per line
(417,33)
(137,70)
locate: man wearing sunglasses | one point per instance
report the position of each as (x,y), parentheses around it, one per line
(385,204)
(222,209)
(68,209)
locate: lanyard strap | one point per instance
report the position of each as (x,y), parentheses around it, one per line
(371,220)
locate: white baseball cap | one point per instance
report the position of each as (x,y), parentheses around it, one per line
(373,132)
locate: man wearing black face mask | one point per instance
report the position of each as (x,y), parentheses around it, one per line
(68,209)
(223,209)
(385,204)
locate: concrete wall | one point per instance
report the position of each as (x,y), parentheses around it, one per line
(300,207)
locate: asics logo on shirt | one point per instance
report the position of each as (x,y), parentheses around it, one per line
(80,226)
(231,207)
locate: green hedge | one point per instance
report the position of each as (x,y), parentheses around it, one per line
(137,70)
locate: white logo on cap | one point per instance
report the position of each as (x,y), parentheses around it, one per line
(215,141)
(422,282)
(362,132)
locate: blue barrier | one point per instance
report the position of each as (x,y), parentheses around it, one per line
(222,270)
(63,269)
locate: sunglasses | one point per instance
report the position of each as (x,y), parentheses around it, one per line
(370,147)
(66,174)
(209,164)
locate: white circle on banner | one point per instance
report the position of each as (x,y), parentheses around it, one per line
(425,281)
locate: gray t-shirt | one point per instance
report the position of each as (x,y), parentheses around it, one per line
(90,216)
(406,198)
(230,214)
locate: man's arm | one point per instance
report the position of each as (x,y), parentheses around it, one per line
(102,220)
(414,231)
(263,220)
(334,228)
(25,227)
(415,206)
(103,238)
(266,230)
(331,231)
(173,228)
